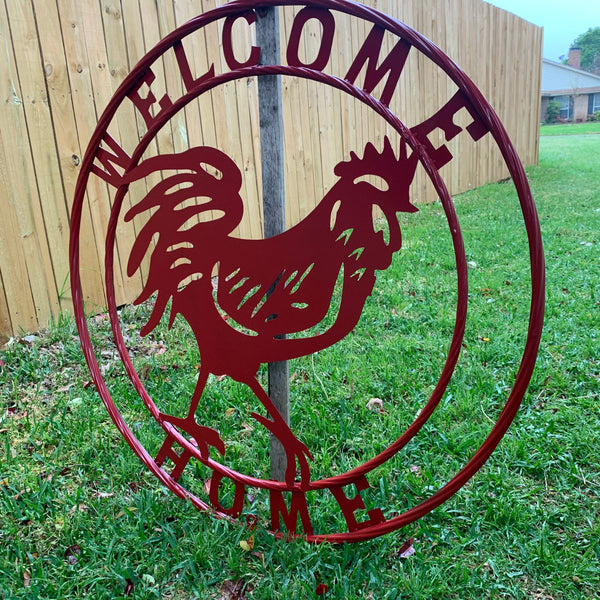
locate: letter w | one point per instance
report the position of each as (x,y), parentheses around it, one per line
(108,160)
(393,64)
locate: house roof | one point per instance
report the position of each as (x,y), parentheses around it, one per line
(563,80)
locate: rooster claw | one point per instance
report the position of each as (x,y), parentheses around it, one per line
(302,453)
(294,449)
(201,436)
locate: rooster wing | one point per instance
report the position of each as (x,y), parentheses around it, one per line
(280,285)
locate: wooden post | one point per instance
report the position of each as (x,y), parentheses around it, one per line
(273,191)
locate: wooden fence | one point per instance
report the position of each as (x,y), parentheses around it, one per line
(63,59)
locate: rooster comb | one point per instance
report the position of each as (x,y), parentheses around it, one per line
(384,164)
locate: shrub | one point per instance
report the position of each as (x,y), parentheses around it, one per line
(552,111)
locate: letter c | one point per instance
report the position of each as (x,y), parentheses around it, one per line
(232,62)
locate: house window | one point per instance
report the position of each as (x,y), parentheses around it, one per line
(565,107)
(596,103)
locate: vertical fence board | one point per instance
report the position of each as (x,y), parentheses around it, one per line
(55,234)
(26,266)
(84,108)
(117,68)
(65,136)
(6,327)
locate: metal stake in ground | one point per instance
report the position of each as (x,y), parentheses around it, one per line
(273,190)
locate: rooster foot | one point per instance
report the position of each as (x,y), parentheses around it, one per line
(202,436)
(294,450)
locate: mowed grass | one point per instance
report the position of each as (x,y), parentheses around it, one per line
(81,517)
(570,128)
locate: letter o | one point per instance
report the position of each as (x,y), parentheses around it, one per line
(238,500)
(328,22)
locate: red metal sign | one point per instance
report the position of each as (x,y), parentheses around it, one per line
(240,297)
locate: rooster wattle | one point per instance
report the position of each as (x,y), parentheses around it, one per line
(265,288)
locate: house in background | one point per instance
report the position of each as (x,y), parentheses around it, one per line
(578,91)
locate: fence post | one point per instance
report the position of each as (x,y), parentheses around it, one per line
(273,190)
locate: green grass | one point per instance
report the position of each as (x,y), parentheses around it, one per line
(80,516)
(570,128)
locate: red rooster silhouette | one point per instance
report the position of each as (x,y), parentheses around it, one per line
(266,288)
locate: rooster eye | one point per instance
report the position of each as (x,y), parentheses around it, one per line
(375,180)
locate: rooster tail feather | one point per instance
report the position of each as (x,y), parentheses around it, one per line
(138,251)
(157,311)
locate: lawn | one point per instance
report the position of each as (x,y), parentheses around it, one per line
(570,128)
(80,516)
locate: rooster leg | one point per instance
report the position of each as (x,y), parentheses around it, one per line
(294,448)
(203,436)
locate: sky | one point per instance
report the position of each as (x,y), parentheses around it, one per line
(562,20)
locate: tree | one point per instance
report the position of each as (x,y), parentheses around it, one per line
(589,42)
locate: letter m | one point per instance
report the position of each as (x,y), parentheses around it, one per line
(108,160)
(392,65)
(290,517)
